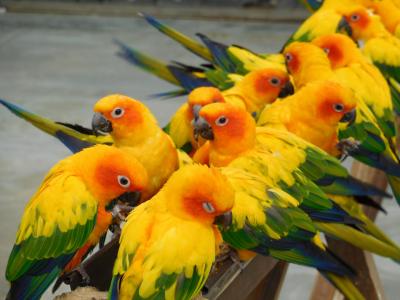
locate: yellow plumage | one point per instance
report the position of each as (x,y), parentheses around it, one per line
(168,244)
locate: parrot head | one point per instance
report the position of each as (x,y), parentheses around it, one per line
(361,21)
(266,85)
(202,96)
(228,127)
(111,173)
(123,117)
(340,49)
(330,102)
(199,192)
(305,62)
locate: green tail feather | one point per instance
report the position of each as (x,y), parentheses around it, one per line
(359,239)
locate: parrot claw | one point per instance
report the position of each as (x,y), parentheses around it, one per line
(120,211)
(347,147)
(77,277)
(236,260)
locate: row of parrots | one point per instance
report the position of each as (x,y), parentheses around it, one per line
(251,159)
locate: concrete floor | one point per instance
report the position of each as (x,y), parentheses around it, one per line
(59,66)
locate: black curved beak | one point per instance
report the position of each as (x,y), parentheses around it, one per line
(344,27)
(100,124)
(196,111)
(349,117)
(224,220)
(203,129)
(130,198)
(287,90)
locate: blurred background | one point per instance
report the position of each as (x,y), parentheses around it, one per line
(57,58)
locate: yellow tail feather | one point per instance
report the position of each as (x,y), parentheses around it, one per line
(345,286)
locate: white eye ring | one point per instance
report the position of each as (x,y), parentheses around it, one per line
(124,181)
(355,17)
(117,112)
(221,121)
(275,81)
(338,107)
(208,207)
(288,57)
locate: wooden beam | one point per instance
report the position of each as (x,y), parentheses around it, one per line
(270,287)
(239,283)
(367,280)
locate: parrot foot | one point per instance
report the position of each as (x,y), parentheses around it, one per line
(348,147)
(236,260)
(77,277)
(120,212)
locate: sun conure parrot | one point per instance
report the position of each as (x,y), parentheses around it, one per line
(265,152)
(363,139)
(266,219)
(169,243)
(318,124)
(348,62)
(388,10)
(253,92)
(377,44)
(131,126)
(325,20)
(71,210)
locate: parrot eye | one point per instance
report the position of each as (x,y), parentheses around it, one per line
(338,107)
(275,81)
(208,207)
(355,17)
(117,112)
(326,50)
(222,121)
(124,181)
(288,57)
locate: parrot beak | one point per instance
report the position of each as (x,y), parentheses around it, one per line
(344,27)
(100,124)
(349,117)
(130,198)
(224,220)
(287,90)
(203,129)
(196,111)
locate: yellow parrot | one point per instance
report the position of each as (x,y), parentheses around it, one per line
(349,63)
(362,139)
(256,89)
(169,243)
(71,209)
(378,44)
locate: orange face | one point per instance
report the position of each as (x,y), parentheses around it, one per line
(292,55)
(226,121)
(114,172)
(123,114)
(333,102)
(338,47)
(359,20)
(269,83)
(206,192)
